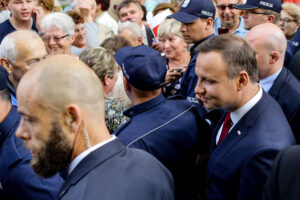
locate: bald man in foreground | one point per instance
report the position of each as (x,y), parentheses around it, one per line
(269,43)
(69,128)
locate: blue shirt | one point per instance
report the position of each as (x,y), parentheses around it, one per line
(267,83)
(173,132)
(6,28)
(240,31)
(17,178)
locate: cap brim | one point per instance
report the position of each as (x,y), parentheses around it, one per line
(122,53)
(245,6)
(184,17)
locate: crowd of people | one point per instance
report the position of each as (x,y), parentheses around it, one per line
(192,99)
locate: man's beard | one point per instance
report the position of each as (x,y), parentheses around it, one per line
(54,155)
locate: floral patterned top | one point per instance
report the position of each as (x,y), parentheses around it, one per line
(114,117)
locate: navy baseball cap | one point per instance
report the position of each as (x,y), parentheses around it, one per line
(274,5)
(3,81)
(142,66)
(193,9)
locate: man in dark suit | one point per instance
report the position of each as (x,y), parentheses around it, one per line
(283,182)
(269,43)
(131,10)
(255,129)
(62,107)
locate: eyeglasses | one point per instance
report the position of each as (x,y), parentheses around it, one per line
(286,20)
(229,6)
(256,13)
(55,38)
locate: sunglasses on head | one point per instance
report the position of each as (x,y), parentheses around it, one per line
(223,7)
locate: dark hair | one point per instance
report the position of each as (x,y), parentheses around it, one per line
(126,3)
(115,43)
(104,4)
(76,17)
(235,51)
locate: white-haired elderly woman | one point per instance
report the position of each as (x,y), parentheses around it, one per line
(58,33)
(103,63)
(289,19)
(176,52)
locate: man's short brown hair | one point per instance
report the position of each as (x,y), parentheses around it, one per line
(236,53)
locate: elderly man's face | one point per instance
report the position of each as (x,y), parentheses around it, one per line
(57,42)
(43,135)
(131,13)
(21,10)
(229,16)
(29,53)
(214,89)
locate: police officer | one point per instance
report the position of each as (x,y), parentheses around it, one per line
(168,129)
(17,179)
(197,25)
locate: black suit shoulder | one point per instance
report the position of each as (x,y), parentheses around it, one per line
(284,180)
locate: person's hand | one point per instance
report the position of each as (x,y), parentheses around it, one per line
(84,9)
(174,74)
(38,14)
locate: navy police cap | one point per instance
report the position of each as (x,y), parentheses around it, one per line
(274,5)
(143,67)
(193,9)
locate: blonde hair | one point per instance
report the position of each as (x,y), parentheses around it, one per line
(169,27)
(48,4)
(293,10)
(100,60)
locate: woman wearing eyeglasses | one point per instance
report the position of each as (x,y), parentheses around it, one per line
(289,19)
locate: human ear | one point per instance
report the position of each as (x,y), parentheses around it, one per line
(5,63)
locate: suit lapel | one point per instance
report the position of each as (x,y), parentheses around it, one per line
(91,161)
(278,83)
(235,135)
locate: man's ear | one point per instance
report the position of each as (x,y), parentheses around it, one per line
(126,84)
(209,23)
(274,57)
(271,18)
(5,63)
(73,117)
(242,80)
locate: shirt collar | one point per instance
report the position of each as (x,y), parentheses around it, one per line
(137,109)
(199,42)
(267,83)
(81,156)
(239,113)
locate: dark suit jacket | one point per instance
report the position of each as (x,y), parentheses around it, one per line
(294,65)
(150,36)
(239,166)
(114,172)
(284,180)
(286,91)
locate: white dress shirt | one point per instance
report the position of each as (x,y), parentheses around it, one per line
(81,156)
(239,113)
(267,83)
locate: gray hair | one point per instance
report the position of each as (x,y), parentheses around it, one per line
(169,27)
(134,27)
(100,60)
(60,21)
(8,48)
